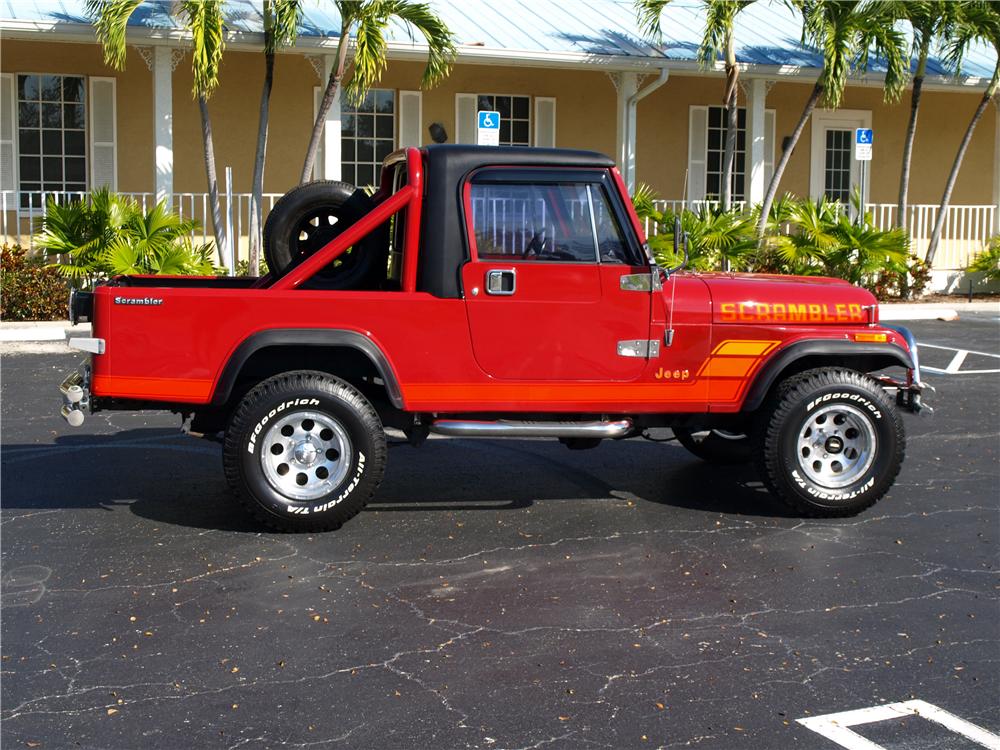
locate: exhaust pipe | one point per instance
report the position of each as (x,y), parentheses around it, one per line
(509,428)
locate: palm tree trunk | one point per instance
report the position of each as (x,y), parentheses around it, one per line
(218,228)
(911,131)
(932,246)
(331,90)
(257,189)
(732,123)
(786,154)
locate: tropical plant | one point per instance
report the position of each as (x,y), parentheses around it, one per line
(368,21)
(930,20)
(204,22)
(988,261)
(110,234)
(718,40)
(845,33)
(974,23)
(29,288)
(281,27)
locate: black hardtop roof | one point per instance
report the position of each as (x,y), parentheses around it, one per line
(451,158)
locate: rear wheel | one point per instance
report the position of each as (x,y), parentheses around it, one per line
(304,452)
(716,446)
(830,442)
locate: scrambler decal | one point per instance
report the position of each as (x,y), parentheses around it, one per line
(252,443)
(856,398)
(304,510)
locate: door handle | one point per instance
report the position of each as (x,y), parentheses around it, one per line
(501,281)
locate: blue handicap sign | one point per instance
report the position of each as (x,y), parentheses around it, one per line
(489,120)
(863,136)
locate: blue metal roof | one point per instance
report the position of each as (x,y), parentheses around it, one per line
(767,31)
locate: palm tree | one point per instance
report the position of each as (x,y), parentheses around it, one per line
(368,20)
(928,19)
(976,22)
(844,32)
(281,27)
(203,20)
(718,41)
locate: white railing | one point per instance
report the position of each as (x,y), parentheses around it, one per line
(22,212)
(966,232)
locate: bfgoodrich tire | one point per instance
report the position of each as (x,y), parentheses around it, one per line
(304,452)
(830,442)
(716,446)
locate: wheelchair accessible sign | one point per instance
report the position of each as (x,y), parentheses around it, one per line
(863,138)
(488,128)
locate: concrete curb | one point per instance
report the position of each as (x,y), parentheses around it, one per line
(47,330)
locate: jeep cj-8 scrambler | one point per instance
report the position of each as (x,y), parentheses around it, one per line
(488,292)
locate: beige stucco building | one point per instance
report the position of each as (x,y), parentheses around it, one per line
(661,118)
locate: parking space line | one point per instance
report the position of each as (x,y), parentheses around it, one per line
(954,367)
(836,727)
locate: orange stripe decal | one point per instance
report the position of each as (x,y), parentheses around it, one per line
(739,348)
(154,388)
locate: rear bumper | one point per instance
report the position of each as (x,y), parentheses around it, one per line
(909,393)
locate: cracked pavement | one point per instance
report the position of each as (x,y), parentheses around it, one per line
(496,594)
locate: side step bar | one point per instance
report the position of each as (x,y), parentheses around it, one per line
(510,428)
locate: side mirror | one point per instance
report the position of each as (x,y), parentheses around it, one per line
(680,244)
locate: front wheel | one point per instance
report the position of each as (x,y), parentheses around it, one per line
(304,452)
(830,442)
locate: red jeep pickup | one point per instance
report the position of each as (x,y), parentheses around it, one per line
(495,293)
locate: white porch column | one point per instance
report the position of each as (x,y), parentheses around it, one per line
(626,84)
(996,167)
(331,130)
(163,123)
(756,139)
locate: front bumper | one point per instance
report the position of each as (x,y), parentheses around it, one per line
(75,390)
(909,393)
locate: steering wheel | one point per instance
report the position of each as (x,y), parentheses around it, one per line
(537,246)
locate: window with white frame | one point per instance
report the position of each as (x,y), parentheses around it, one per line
(715,153)
(515,117)
(51,134)
(837,174)
(367,136)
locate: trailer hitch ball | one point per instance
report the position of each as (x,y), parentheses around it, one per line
(74,394)
(74,416)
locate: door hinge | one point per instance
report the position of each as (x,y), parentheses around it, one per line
(639,348)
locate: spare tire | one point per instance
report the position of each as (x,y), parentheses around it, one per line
(307,217)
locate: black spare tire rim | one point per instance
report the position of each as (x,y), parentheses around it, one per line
(315,229)
(305,455)
(836,445)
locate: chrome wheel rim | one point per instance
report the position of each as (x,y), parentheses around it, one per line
(305,455)
(836,445)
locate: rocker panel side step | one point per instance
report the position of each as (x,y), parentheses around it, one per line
(512,428)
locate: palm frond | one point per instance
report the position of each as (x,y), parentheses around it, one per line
(110,20)
(204,19)
(648,14)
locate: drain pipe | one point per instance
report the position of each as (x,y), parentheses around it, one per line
(630,118)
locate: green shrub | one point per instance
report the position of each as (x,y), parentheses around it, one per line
(803,237)
(988,262)
(109,234)
(30,289)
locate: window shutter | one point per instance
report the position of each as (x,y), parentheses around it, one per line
(768,146)
(318,164)
(465,118)
(8,127)
(103,130)
(697,153)
(411,116)
(545,122)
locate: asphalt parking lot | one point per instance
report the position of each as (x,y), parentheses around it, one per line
(498,594)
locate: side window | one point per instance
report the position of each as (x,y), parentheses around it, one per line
(535,222)
(611,245)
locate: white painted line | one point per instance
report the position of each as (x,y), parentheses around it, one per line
(954,367)
(836,727)
(956,349)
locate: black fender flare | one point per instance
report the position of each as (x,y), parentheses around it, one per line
(318,337)
(841,349)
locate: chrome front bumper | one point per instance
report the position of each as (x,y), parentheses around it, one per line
(75,391)
(909,393)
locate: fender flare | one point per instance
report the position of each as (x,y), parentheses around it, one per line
(779,361)
(318,337)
